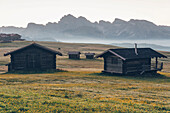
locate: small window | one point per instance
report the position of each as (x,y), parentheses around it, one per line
(114,60)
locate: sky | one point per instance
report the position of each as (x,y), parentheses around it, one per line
(21,12)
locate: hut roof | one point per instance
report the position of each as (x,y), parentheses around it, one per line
(129,53)
(89,53)
(74,52)
(35,45)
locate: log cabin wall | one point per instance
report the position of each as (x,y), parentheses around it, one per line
(130,61)
(113,64)
(74,56)
(89,56)
(136,65)
(33,58)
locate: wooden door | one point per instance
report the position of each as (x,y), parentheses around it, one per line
(33,61)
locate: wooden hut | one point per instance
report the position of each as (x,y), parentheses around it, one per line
(32,57)
(89,55)
(131,60)
(74,55)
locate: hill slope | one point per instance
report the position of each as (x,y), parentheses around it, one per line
(82,88)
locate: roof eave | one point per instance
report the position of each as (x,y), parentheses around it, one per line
(117,55)
(60,54)
(37,45)
(164,56)
(6,54)
(101,55)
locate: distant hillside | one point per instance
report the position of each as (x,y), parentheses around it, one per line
(143,45)
(72,28)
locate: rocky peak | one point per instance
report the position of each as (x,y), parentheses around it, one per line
(119,21)
(141,22)
(81,18)
(105,24)
(67,18)
(33,26)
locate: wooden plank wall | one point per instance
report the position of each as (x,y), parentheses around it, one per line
(21,60)
(111,67)
(137,65)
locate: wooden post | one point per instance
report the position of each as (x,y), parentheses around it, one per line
(123,67)
(105,68)
(161,65)
(12,60)
(55,61)
(156,62)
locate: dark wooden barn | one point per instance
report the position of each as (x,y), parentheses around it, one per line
(33,57)
(74,55)
(131,60)
(89,55)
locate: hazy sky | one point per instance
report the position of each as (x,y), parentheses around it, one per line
(21,12)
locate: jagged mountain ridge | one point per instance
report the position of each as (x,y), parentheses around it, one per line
(70,27)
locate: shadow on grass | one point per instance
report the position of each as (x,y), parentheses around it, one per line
(35,71)
(146,76)
(82,59)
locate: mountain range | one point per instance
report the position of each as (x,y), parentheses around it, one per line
(72,28)
(143,45)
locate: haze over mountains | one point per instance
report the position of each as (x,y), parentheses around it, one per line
(143,45)
(72,28)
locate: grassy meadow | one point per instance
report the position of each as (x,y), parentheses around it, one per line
(81,87)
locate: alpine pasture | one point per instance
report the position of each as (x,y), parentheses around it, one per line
(79,85)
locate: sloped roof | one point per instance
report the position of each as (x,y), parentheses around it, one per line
(129,53)
(35,45)
(74,52)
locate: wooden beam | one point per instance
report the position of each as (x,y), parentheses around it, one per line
(105,64)
(156,62)
(116,54)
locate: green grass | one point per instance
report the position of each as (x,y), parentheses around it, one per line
(82,92)
(81,87)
